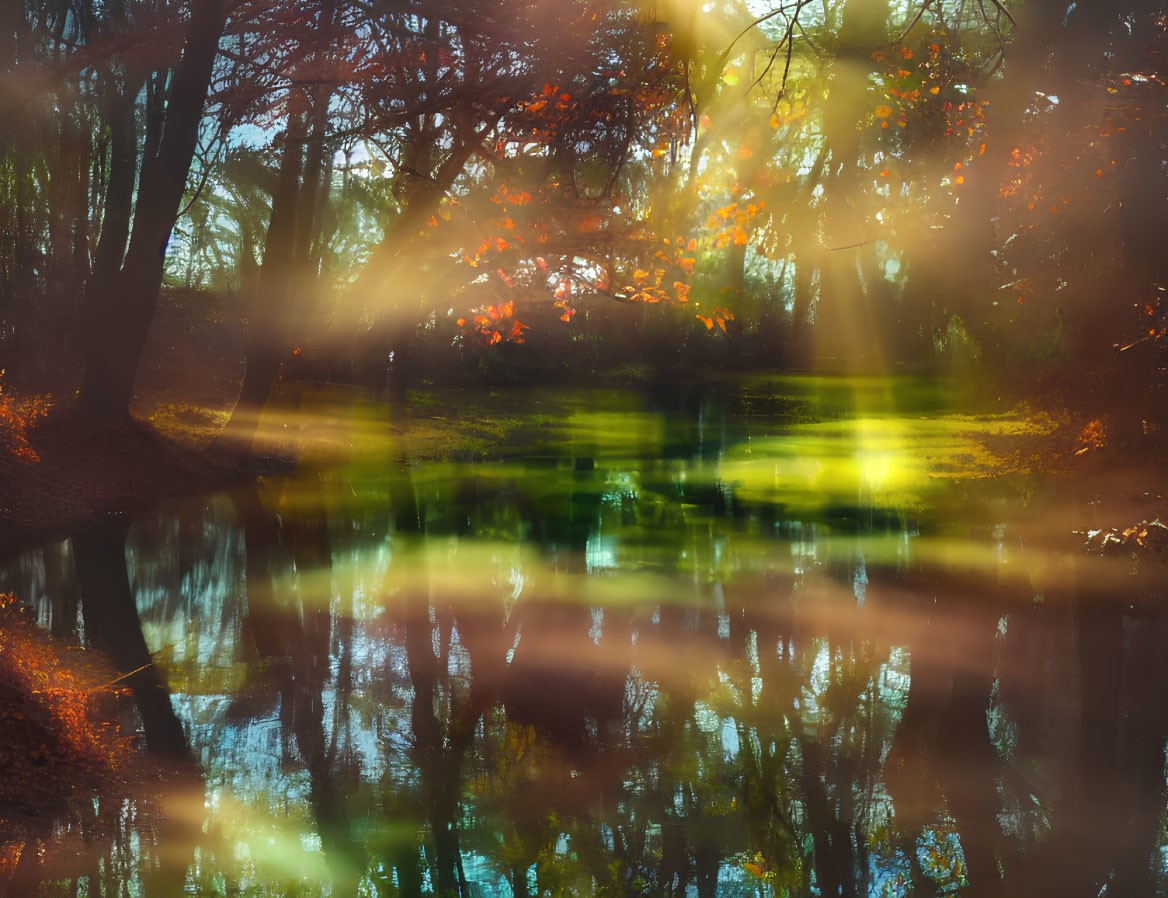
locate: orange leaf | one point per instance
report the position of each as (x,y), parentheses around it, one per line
(686,265)
(708,322)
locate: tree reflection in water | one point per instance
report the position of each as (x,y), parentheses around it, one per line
(593,674)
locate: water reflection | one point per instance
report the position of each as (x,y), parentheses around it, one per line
(689,652)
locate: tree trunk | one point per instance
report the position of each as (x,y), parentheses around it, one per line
(122,308)
(119,191)
(843,317)
(267,322)
(112,626)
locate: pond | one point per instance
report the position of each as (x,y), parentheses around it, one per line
(777,636)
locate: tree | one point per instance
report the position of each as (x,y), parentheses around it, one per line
(122,289)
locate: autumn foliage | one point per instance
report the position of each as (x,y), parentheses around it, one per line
(18,416)
(61,735)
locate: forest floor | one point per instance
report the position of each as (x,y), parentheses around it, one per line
(68,472)
(60,470)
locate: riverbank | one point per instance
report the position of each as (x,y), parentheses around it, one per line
(74,471)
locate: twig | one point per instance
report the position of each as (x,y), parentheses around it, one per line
(833,249)
(1004,11)
(913,23)
(782,10)
(122,677)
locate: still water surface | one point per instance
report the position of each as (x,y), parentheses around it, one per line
(790,637)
